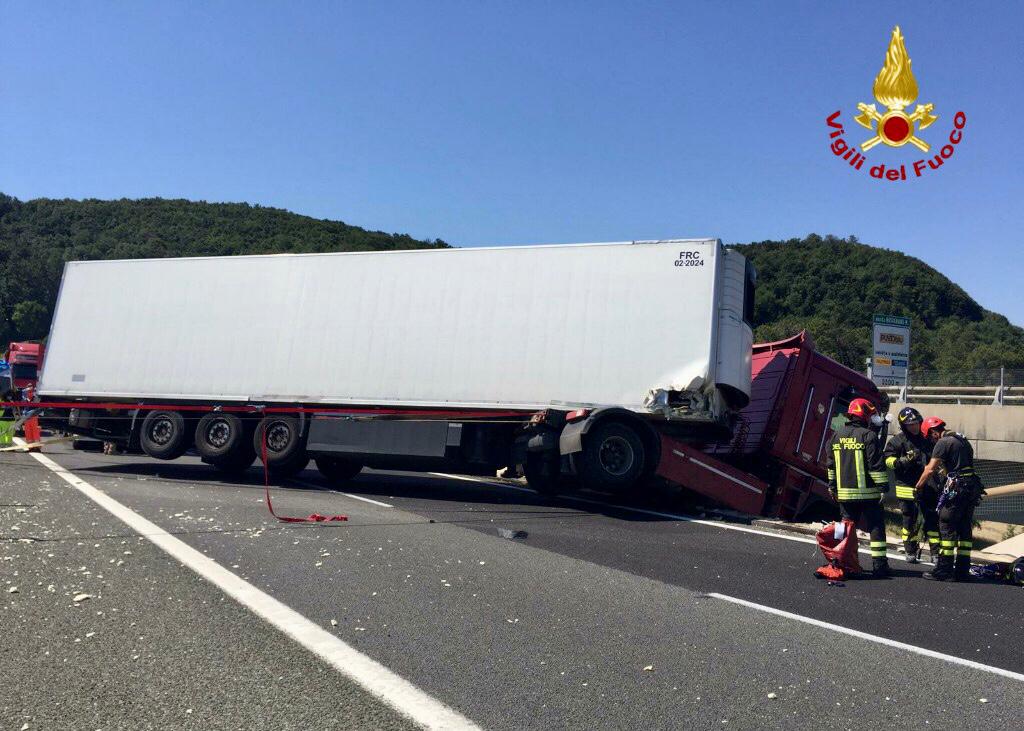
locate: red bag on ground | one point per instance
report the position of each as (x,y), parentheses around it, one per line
(838,541)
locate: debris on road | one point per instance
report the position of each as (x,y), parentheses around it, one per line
(509,533)
(649,668)
(81,597)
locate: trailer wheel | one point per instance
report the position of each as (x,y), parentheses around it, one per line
(542,472)
(336,469)
(220,435)
(283,440)
(164,435)
(613,457)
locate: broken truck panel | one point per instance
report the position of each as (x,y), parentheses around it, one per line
(685,465)
(798,397)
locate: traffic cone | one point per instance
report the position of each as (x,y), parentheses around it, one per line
(33,434)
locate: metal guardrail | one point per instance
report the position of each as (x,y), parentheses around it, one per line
(994,395)
(995,386)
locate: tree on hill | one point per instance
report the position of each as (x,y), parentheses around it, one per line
(833,287)
(38,236)
(829,286)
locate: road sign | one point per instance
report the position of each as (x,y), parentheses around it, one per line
(891,358)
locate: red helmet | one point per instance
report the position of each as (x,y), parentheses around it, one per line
(932,422)
(861,408)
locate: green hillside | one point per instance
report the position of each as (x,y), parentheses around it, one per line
(833,287)
(829,286)
(38,236)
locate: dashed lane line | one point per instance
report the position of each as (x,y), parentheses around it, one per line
(659,514)
(872,638)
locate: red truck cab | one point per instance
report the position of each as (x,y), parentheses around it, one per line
(25,360)
(775,463)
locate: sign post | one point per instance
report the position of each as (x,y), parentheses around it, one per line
(891,360)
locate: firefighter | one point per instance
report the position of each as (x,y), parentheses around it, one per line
(857,477)
(952,461)
(906,455)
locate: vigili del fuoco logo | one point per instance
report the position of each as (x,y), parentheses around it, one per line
(896,89)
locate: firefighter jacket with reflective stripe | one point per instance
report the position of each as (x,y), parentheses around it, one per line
(856,470)
(907,472)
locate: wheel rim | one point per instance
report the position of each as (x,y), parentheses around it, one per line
(616,456)
(278,435)
(218,434)
(161,432)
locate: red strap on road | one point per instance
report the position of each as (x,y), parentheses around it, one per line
(312,518)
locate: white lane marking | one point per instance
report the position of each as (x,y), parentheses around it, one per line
(873,638)
(708,467)
(367,500)
(311,486)
(671,516)
(394,690)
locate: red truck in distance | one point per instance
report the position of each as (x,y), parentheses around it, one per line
(25,360)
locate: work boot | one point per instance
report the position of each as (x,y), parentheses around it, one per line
(880,568)
(943,570)
(962,569)
(912,550)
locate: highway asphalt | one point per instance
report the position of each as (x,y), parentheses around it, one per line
(514,610)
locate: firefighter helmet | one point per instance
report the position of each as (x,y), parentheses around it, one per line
(932,422)
(861,408)
(909,415)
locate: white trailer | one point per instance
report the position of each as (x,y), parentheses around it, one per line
(653,331)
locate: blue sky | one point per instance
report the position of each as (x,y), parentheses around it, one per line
(486,123)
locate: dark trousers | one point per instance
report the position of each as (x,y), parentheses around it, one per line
(868,515)
(924,506)
(956,526)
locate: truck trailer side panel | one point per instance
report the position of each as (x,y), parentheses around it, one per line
(517,327)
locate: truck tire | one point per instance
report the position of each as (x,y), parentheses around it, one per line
(613,457)
(542,472)
(220,435)
(164,435)
(283,440)
(336,469)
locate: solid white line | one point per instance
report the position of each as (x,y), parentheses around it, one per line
(708,467)
(339,492)
(367,500)
(873,638)
(670,516)
(394,690)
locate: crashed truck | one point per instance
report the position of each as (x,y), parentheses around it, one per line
(589,365)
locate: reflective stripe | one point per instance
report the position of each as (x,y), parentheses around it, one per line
(905,492)
(831,474)
(906,534)
(877,548)
(862,478)
(879,478)
(967,544)
(838,463)
(948,544)
(854,494)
